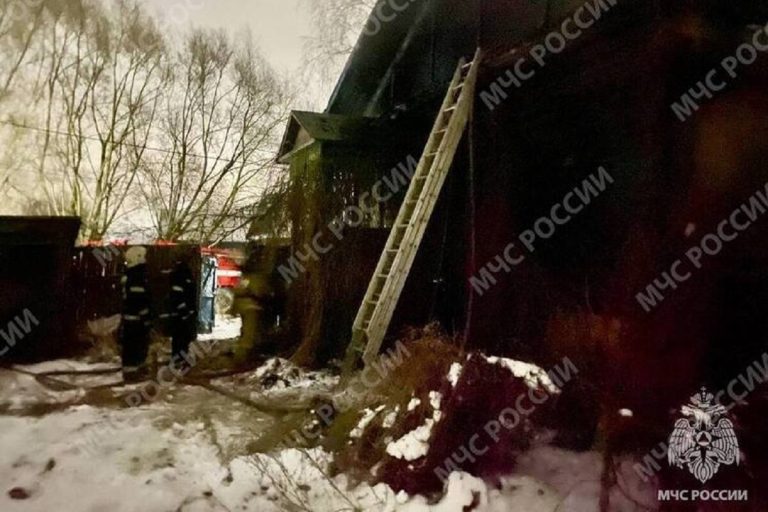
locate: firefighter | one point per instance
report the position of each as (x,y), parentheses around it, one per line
(253,302)
(136,317)
(181,310)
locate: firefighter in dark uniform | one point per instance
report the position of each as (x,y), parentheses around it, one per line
(254,302)
(182,314)
(136,317)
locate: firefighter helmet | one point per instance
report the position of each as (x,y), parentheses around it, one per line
(135,256)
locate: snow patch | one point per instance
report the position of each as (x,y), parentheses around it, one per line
(368,416)
(279,377)
(415,444)
(534,376)
(389,419)
(454,373)
(225,328)
(18,391)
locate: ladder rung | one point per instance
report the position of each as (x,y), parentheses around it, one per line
(407,233)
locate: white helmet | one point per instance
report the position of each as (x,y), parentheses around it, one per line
(135,256)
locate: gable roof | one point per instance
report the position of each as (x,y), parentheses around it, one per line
(305,128)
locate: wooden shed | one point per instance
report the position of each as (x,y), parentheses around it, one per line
(37,299)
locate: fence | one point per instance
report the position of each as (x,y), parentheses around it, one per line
(97,272)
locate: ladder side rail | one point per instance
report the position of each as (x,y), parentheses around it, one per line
(391,243)
(384,310)
(432,186)
(381,311)
(412,234)
(383,259)
(392,238)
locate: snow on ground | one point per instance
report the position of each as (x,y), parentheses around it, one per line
(518,494)
(415,444)
(98,377)
(576,477)
(225,328)
(60,365)
(188,452)
(533,375)
(174,454)
(279,379)
(368,416)
(138,466)
(18,391)
(454,373)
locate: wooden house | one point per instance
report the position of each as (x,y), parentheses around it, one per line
(603,99)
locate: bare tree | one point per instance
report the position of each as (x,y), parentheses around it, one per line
(122,111)
(20,23)
(101,79)
(120,131)
(220,124)
(337,27)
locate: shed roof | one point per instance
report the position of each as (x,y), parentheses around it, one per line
(38,230)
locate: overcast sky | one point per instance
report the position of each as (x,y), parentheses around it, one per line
(278,26)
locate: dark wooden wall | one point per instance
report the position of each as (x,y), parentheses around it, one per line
(35,259)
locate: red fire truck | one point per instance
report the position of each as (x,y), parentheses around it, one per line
(228,275)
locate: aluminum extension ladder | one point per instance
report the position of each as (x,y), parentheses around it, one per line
(396,260)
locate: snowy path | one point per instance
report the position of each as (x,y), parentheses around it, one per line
(166,456)
(188,452)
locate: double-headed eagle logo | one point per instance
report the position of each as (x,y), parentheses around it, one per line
(703,440)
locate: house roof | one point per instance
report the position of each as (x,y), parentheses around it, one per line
(306,128)
(376,48)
